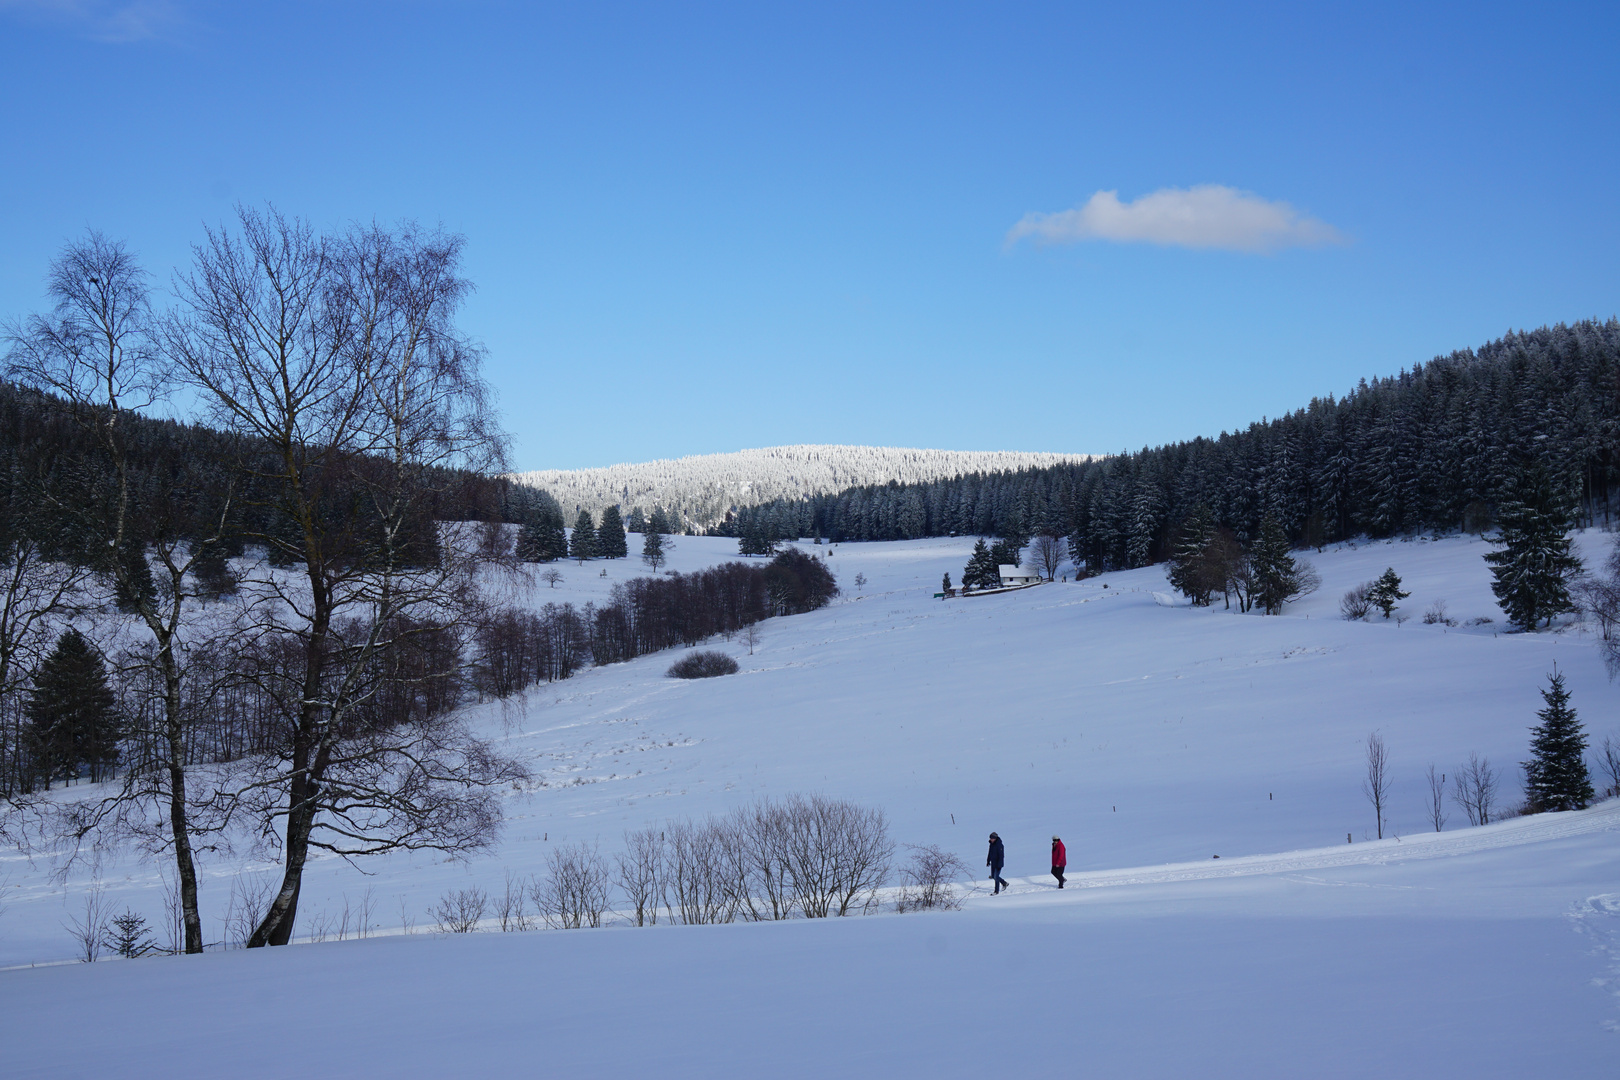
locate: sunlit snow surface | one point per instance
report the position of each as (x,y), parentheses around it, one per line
(1144,734)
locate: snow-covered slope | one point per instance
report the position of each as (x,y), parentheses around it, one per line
(703,487)
(1149,735)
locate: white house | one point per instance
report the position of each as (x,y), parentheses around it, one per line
(1017,575)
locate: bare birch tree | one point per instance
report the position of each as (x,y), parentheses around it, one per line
(100,352)
(339,363)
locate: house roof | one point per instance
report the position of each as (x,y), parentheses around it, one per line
(1014,571)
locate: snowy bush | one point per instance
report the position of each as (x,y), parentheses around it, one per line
(702,665)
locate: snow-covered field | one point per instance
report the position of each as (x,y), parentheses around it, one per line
(1151,736)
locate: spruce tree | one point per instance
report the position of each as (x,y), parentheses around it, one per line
(72,722)
(653,545)
(135,585)
(582,544)
(946,586)
(1555,776)
(981,571)
(1189,570)
(530,543)
(638,521)
(1386,591)
(1533,569)
(610,541)
(1272,566)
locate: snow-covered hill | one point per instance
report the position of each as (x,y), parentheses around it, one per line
(702,488)
(1151,736)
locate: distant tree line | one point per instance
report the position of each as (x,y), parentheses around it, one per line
(1437,447)
(516,649)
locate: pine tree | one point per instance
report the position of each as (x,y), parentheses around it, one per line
(582,544)
(610,541)
(1386,591)
(638,521)
(946,586)
(72,722)
(1533,569)
(1555,776)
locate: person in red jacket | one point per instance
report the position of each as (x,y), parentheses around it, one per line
(1060,860)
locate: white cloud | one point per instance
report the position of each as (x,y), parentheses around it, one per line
(1206,216)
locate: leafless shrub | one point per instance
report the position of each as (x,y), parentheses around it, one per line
(1608,761)
(1479,620)
(761,831)
(837,854)
(1376,783)
(1436,614)
(1474,789)
(511,907)
(930,878)
(640,874)
(574,893)
(250,899)
(1355,604)
(459,911)
(705,664)
(1437,798)
(695,874)
(89,926)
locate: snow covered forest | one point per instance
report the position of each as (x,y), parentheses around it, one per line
(698,492)
(1432,447)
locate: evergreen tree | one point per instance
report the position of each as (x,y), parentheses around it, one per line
(530,544)
(638,521)
(212,576)
(1555,777)
(981,571)
(582,544)
(140,586)
(1533,569)
(1004,553)
(610,541)
(72,722)
(1190,570)
(946,587)
(653,545)
(1386,591)
(1272,567)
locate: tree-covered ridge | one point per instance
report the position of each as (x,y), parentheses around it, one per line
(697,492)
(1434,447)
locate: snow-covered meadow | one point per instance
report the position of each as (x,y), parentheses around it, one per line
(1151,736)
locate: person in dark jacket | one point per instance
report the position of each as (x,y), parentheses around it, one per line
(1060,860)
(995,860)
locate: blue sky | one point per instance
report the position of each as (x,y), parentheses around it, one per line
(697,228)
